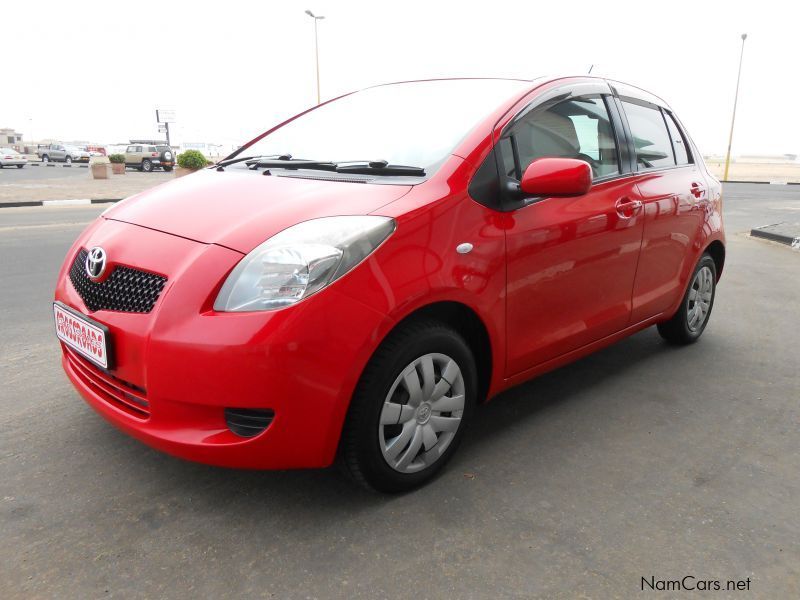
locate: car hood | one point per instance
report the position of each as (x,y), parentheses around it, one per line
(240,209)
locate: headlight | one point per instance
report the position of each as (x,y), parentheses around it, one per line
(301,260)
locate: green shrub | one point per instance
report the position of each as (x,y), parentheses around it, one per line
(117,158)
(192,159)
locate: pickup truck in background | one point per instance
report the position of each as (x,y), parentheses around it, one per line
(61,153)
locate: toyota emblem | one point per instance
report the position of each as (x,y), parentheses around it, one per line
(95,262)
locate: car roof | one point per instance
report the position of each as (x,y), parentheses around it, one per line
(619,87)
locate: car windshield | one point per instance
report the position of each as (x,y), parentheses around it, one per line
(416,124)
(8,151)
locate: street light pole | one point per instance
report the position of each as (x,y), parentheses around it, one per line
(733,117)
(316,45)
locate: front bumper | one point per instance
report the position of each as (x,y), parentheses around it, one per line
(179,366)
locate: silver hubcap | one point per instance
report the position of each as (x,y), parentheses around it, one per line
(699,302)
(422,413)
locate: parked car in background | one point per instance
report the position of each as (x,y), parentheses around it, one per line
(148,157)
(11,158)
(78,154)
(359,309)
(61,153)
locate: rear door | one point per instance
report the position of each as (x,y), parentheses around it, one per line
(675,195)
(570,261)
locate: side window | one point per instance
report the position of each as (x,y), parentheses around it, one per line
(151,148)
(678,141)
(138,149)
(650,136)
(575,128)
(130,149)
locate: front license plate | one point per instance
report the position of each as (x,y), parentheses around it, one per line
(87,337)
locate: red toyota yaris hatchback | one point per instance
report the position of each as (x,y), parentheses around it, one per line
(352,282)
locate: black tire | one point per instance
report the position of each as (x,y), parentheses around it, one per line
(360,453)
(20,166)
(68,160)
(147,166)
(678,330)
(168,169)
(45,158)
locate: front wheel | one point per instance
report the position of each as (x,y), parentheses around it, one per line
(45,159)
(68,160)
(410,408)
(689,322)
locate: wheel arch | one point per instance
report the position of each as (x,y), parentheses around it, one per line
(716,250)
(468,323)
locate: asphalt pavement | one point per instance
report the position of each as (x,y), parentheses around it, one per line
(641,460)
(39,171)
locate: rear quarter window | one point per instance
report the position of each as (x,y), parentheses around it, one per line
(682,155)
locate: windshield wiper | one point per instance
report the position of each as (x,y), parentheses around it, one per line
(231,161)
(360,167)
(377,167)
(291,163)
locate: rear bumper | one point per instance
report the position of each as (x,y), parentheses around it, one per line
(181,365)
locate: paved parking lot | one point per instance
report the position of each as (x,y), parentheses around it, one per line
(639,461)
(39,171)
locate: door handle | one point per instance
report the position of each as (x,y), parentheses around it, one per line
(626,207)
(698,191)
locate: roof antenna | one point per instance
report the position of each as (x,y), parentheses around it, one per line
(590,69)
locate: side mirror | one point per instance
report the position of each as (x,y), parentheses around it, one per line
(556,177)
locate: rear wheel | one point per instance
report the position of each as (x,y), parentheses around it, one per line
(689,322)
(168,169)
(410,408)
(20,166)
(147,166)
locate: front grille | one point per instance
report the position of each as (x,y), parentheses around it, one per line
(124,290)
(117,392)
(248,422)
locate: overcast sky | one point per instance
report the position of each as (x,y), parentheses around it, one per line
(96,70)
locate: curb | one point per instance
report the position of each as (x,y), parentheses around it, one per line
(769,232)
(764,182)
(63,202)
(50,164)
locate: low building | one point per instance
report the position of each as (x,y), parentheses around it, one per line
(9,137)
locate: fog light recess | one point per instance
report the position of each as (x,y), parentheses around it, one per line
(248,422)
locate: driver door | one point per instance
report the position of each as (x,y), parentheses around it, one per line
(571,262)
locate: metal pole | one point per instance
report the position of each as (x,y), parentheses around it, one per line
(166,126)
(733,117)
(316,51)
